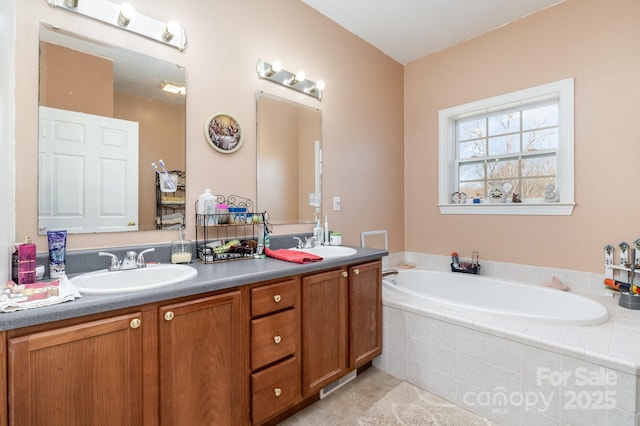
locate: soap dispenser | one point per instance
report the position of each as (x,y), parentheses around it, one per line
(181,249)
(318,233)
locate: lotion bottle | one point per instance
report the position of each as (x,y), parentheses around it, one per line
(206,207)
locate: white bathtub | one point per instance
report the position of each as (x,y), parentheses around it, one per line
(466,293)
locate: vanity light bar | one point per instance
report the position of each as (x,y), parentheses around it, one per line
(296,81)
(169,33)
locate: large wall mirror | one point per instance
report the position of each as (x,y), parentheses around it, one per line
(289,160)
(104,118)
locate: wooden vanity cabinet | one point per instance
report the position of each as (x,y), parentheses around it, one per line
(275,348)
(89,373)
(341,323)
(176,364)
(254,354)
(365,313)
(324,329)
(201,369)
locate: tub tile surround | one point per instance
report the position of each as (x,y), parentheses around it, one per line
(517,372)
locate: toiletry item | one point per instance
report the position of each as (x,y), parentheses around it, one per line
(336,239)
(455,261)
(39,272)
(222,214)
(326,231)
(27,262)
(57,248)
(318,233)
(181,249)
(206,208)
(14,263)
(618,285)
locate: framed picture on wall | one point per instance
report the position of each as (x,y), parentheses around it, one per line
(223,133)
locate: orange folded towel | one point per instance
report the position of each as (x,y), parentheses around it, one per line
(292,255)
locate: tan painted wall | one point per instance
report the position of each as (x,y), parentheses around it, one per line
(362,106)
(84,83)
(161,134)
(597,43)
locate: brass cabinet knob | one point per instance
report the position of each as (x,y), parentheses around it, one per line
(277,392)
(277,339)
(345,274)
(356,271)
(169,316)
(135,323)
(277,298)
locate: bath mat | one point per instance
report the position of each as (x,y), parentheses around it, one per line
(408,405)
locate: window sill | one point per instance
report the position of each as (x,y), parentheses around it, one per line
(524,209)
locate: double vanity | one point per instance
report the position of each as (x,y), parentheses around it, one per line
(244,342)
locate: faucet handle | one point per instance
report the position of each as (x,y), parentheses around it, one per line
(114,264)
(140,262)
(300,243)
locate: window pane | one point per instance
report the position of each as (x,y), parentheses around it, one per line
(472,149)
(471,171)
(534,188)
(506,123)
(502,169)
(472,129)
(540,117)
(472,189)
(504,144)
(540,139)
(540,166)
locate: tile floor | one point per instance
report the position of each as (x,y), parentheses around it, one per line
(376,398)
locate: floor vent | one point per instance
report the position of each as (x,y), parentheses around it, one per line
(338,384)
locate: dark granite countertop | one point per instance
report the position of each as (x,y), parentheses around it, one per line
(211,277)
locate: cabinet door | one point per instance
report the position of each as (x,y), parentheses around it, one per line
(365,308)
(85,374)
(201,372)
(324,329)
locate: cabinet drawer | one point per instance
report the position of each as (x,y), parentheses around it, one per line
(272,298)
(273,337)
(275,389)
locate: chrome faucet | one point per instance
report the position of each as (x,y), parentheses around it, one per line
(114,265)
(309,242)
(132,260)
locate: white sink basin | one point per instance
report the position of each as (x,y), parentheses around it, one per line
(132,280)
(327,252)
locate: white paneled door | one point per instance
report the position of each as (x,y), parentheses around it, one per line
(88,172)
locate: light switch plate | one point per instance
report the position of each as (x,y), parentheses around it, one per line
(336,204)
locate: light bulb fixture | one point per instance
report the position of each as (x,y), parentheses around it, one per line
(298,81)
(275,67)
(171,30)
(175,88)
(127,11)
(299,77)
(318,87)
(124,16)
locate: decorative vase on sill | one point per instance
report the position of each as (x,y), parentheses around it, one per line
(499,191)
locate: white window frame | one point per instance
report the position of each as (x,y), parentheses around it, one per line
(562,91)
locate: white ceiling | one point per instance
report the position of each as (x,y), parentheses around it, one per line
(410,29)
